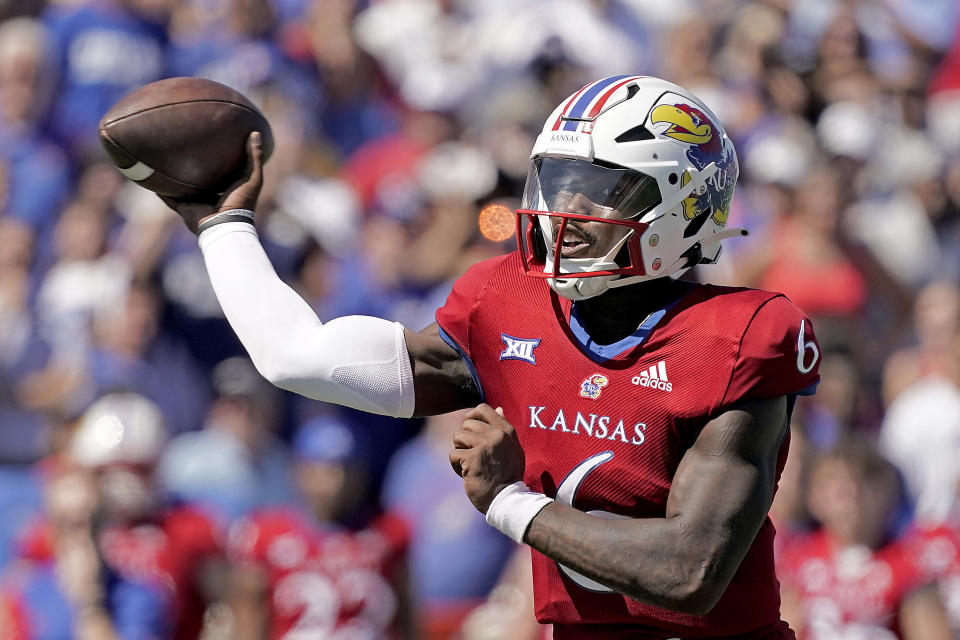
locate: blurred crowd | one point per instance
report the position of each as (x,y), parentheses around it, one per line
(152,485)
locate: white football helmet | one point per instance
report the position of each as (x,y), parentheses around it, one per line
(119,428)
(633,151)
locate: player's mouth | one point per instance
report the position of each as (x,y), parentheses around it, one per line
(575,243)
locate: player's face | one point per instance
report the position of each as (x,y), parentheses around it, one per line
(583,188)
(583,238)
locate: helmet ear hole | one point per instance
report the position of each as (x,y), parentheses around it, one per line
(623,256)
(635,135)
(697,223)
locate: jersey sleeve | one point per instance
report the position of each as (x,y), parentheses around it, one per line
(778,355)
(458,312)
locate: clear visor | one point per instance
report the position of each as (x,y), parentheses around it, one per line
(566,185)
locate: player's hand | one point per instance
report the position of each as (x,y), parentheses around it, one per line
(242,194)
(487,455)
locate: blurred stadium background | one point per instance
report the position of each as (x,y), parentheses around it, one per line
(396,122)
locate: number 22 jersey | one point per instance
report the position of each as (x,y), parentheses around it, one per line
(604,427)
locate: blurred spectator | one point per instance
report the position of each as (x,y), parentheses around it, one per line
(334,569)
(789,509)
(119,438)
(804,258)
(104,49)
(455,557)
(23,351)
(907,197)
(110,559)
(381,170)
(227,42)
(921,434)
(36,174)
(60,587)
(508,612)
(356,106)
(840,407)
(236,462)
(856,577)
(132,351)
(85,279)
(936,328)
(937,552)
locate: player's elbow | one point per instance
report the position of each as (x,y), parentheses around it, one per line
(688,596)
(699,596)
(278,369)
(699,587)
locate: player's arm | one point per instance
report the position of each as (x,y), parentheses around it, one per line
(441,377)
(922,616)
(719,498)
(247,596)
(357,361)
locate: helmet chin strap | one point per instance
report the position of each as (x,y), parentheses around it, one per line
(582,288)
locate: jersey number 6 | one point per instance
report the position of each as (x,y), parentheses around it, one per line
(566,494)
(802,348)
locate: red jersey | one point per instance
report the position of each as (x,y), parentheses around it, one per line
(169,550)
(165,551)
(853,592)
(324,583)
(604,427)
(936,550)
(14,623)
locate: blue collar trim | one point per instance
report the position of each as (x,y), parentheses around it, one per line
(602,352)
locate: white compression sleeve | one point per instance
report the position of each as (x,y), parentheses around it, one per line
(356,361)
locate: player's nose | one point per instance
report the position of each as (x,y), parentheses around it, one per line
(581,204)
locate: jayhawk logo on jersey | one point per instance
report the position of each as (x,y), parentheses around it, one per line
(592,386)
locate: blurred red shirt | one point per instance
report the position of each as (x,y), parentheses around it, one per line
(323,580)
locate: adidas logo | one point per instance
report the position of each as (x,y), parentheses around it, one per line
(655,378)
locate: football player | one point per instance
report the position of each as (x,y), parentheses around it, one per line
(628,426)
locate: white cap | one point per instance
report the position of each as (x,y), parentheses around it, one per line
(124,428)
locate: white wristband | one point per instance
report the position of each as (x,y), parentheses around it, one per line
(514,508)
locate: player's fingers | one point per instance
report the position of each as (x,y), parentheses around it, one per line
(456,461)
(476,426)
(493,417)
(464,439)
(477,412)
(483,412)
(255,150)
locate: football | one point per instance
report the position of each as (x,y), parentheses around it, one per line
(183,137)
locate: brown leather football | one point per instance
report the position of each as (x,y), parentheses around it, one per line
(183,137)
